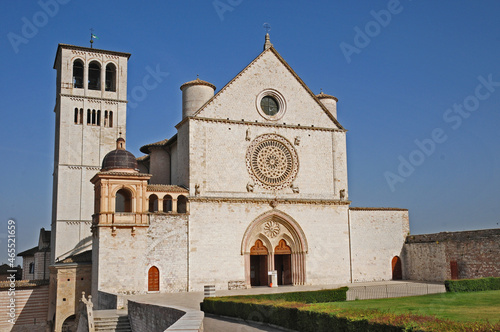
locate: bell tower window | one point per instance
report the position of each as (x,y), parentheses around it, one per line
(78,74)
(94,76)
(110,77)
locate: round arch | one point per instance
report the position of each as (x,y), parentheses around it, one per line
(69,324)
(126,187)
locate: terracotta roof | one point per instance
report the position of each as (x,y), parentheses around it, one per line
(198,82)
(324,95)
(167,188)
(290,69)
(142,158)
(123,174)
(24,283)
(145,148)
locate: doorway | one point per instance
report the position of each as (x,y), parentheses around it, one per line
(283,263)
(397,271)
(258,264)
(153,279)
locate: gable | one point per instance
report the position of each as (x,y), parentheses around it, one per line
(268,73)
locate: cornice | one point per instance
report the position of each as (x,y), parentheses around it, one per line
(96,99)
(271,201)
(259,124)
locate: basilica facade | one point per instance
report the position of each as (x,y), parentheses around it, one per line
(254,181)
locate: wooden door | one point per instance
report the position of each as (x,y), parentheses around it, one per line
(397,271)
(258,264)
(454,270)
(153,279)
(283,263)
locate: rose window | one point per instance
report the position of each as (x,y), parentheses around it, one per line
(272,161)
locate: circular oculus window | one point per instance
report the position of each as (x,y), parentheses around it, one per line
(272,161)
(271,104)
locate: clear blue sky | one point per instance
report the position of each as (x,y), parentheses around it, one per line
(429,71)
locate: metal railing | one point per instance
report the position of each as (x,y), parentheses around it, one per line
(386,291)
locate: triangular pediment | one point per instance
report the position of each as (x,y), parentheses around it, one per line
(240,98)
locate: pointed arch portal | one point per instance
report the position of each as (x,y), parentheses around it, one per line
(274,241)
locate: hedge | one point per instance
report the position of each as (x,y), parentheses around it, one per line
(472,285)
(321,296)
(292,318)
(314,318)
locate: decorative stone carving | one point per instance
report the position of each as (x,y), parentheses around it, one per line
(297,140)
(342,194)
(250,187)
(272,161)
(197,189)
(247,138)
(272,229)
(295,189)
(274,203)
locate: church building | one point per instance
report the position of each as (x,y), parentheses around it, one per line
(254,181)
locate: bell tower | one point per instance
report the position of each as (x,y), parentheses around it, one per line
(91,99)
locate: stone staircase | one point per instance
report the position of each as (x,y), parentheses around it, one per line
(111,321)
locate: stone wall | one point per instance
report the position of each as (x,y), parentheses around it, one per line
(218,153)
(80,148)
(217,229)
(31,306)
(428,256)
(27,260)
(42,262)
(157,318)
(122,258)
(377,235)
(67,282)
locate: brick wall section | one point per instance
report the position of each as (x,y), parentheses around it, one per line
(428,256)
(31,308)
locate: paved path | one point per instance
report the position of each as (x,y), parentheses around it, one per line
(212,323)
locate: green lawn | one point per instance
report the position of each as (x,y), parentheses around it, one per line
(472,306)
